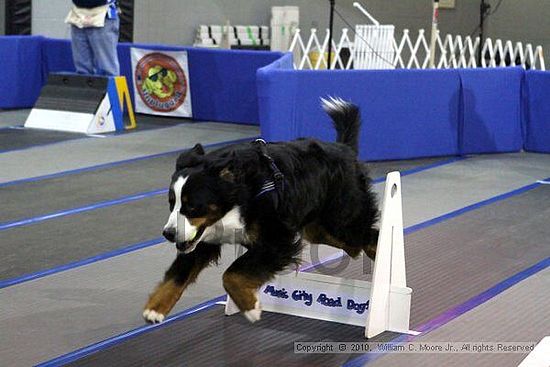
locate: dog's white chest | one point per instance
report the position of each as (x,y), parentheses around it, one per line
(228,230)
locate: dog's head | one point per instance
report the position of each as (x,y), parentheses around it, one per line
(200,195)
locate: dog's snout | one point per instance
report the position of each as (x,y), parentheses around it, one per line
(169,234)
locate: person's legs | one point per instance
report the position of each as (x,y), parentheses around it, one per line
(104,47)
(82,53)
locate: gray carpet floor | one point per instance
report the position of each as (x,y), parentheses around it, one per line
(90,233)
(105,298)
(77,154)
(448,263)
(14,139)
(520,314)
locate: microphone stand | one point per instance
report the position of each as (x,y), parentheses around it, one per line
(483,11)
(331,27)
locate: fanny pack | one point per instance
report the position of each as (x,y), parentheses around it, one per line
(87,18)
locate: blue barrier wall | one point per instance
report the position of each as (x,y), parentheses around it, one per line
(405,113)
(411,113)
(21,70)
(537,111)
(223,82)
(491,119)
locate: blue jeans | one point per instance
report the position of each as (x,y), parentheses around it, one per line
(95,49)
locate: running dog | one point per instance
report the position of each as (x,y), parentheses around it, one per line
(267,197)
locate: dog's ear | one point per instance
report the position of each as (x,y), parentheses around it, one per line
(227,174)
(191,158)
(226,168)
(198,149)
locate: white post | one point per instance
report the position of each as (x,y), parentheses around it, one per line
(435,19)
(388,312)
(366,13)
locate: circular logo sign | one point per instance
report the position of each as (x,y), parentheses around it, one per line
(161,82)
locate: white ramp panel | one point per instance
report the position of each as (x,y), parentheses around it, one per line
(76,122)
(101,121)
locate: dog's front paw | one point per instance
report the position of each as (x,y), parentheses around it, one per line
(161,301)
(152,316)
(254,314)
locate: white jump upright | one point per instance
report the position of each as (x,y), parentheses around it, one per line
(390,297)
(383,305)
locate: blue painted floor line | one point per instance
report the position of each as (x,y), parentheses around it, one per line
(14,127)
(455,312)
(78,354)
(117,163)
(144,195)
(90,260)
(76,138)
(423,168)
(75,355)
(63,213)
(122,200)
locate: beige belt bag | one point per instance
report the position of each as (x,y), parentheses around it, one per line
(86,18)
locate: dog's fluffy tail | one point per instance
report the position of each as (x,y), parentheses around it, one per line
(346,119)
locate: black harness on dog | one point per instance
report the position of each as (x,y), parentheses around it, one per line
(276,182)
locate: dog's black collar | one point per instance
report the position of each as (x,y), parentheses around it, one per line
(276,182)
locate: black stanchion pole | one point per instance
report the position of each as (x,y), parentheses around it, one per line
(483,10)
(331,26)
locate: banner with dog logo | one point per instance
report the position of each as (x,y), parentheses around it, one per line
(161,82)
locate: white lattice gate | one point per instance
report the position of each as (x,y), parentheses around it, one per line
(371,52)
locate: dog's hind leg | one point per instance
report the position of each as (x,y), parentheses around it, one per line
(315,233)
(370,248)
(250,271)
(183,271)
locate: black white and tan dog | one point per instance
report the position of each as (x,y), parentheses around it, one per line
(279,193)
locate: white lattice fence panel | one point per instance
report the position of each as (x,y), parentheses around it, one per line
(374,48)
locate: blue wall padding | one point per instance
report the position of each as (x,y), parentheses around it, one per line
(537,96)
(491,115)
(21,71)
(57,57)
(406,113)
(223,82)
(276,113)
